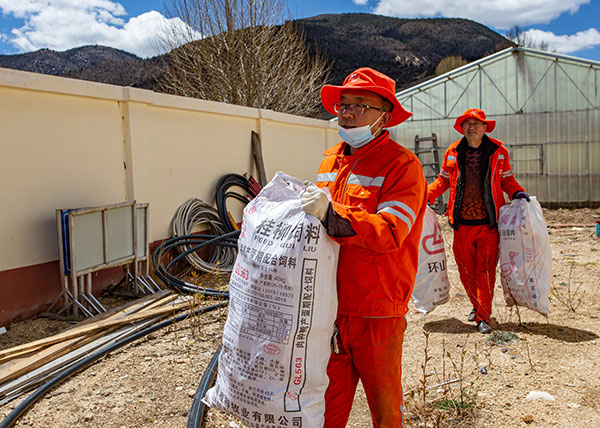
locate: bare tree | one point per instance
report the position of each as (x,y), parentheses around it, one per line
(241,52)
(521,38)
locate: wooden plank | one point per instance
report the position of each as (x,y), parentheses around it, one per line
(164,301)
(92,327)
(116,313)
(134,306)
(20,366)
(19,354)
(37,375)
(258,158)
(56,365)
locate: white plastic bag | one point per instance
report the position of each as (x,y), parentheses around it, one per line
(525,255)
(282,308)
(432,287)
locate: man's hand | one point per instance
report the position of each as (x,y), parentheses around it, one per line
(521,195)
(314,201)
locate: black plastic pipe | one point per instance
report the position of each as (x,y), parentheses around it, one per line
(39,393)
(198,411)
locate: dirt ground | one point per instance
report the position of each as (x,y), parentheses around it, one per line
(151,383)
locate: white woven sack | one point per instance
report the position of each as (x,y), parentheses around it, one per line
(432,286)
(282,308)
(525,255)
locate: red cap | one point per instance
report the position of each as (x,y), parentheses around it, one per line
(371,80)
(474,113)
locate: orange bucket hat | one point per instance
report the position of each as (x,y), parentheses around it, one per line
(474,113)
(369,80)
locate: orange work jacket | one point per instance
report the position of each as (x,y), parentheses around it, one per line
(382,192)
(498,179)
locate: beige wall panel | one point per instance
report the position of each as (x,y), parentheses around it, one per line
(69,144)
(58,151)
(295,149)
(188,152)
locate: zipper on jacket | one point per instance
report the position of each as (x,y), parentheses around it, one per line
(488,197)
(458,198)
(488,184)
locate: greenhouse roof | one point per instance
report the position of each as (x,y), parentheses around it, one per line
(492,58)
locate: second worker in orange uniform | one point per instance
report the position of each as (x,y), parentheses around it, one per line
(477,171)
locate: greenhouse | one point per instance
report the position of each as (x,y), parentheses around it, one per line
(546,108)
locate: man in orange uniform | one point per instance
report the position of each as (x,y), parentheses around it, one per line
(477,170)
(379,196)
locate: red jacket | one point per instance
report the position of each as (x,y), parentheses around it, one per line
(382,192)
(499,178)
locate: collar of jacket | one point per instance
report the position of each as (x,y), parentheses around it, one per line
(485,141)
(364,151)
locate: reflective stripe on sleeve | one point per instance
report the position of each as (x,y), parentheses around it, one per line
(383,207)
(365,181)
(452,158)
(398,214)
(444,174)
(326,177)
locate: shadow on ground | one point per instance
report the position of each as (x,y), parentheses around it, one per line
(552,331)
(451,326)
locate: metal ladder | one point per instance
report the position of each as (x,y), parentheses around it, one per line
(430,160)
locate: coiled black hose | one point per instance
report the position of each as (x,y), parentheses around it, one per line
(197,415)
(192,214)
(39,393)
(196,242)
(223,193)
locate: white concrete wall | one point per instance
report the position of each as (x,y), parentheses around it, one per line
(68,143)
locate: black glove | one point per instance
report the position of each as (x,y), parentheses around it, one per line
(521,195)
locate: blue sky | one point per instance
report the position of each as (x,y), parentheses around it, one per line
(568,26)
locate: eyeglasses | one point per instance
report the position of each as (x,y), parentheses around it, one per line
(357,109)
(472,124)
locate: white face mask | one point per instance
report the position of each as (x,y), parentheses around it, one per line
(358,137)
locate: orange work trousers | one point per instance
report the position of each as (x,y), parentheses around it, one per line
(370,349)
(476,254)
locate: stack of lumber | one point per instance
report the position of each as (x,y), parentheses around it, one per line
(26,366)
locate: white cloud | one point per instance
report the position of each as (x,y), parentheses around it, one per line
(24,8)
(65,24)
(360,2)
(564,43)
(501,14)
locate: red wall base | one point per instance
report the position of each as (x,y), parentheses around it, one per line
(27,291)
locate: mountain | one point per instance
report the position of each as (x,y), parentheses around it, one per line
(408,50)
(95,63)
